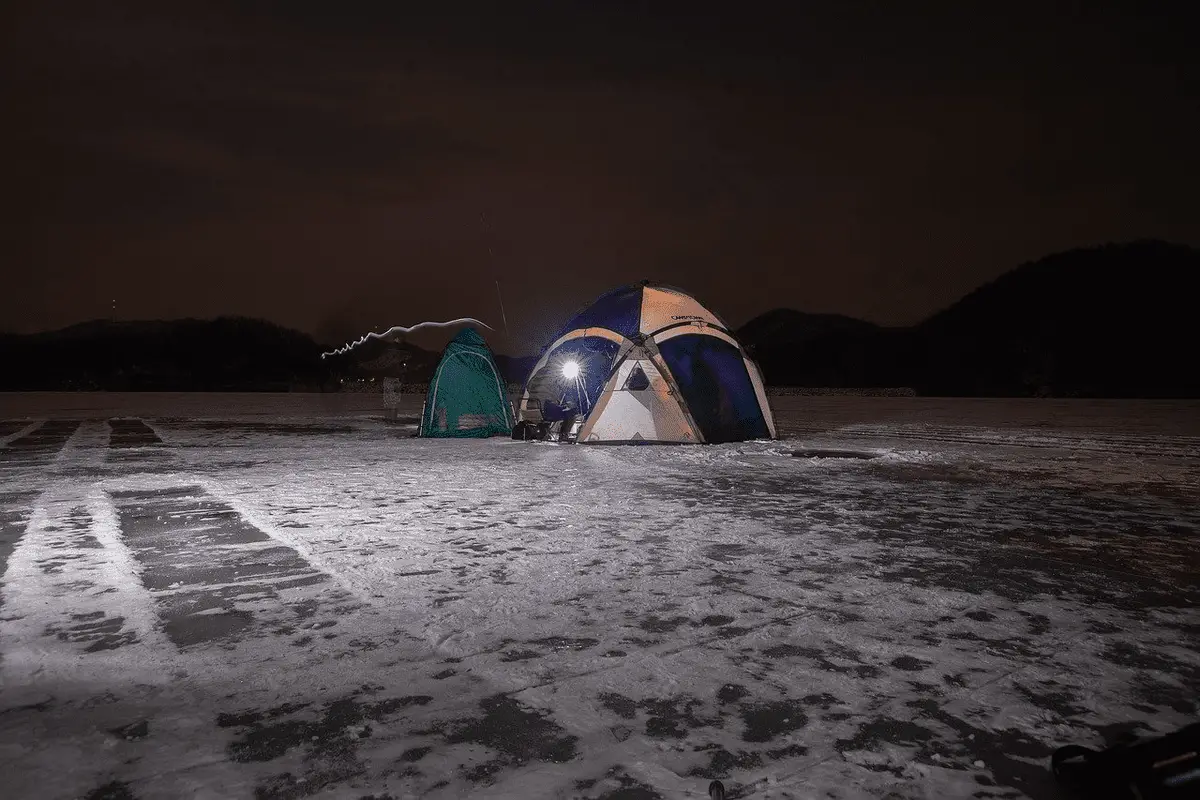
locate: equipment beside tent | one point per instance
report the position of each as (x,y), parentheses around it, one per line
(645,363)
(467,398)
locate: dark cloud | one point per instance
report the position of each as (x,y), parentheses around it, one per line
(129,111)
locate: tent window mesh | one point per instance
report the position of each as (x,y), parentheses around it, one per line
(637,380)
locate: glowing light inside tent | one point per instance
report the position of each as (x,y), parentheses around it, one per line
(570,370)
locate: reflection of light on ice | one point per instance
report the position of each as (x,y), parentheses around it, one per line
(409,527)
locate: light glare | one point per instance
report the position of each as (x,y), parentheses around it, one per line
(570,370)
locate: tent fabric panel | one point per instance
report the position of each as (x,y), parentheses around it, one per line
(469,337)
(466,398)
(637,380)
(602,401)
(716,386)
(429,414)
(619,311)
(662,307)
(694,330)
(761,392)
(539,377)
(650,415)
(595,355)
(673,389)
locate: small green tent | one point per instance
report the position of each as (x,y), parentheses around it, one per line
(467,398)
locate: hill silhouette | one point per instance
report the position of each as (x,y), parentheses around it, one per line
(1108,321)
(794,348)
(228,353)
(223,354)
(798,328)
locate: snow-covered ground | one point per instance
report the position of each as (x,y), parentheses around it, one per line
(288,596)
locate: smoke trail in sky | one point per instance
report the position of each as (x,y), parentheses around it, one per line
(400,330)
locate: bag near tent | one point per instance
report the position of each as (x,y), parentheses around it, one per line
(645,364)
(1165,767)
(467,398)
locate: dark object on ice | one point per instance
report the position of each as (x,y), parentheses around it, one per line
(565,428)
(114,790)
(557,431)
(716,791)
(1166,767)
(860,454)
(524,431)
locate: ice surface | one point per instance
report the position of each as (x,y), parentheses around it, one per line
(287,596)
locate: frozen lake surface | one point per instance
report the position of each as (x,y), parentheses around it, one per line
(288,596)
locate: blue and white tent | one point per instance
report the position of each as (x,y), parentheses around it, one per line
(647,363)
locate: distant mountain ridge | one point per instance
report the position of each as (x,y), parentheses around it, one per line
(223,354)
(1108,321)
(798,327)
(227,353)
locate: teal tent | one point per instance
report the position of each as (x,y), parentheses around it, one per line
(467,398)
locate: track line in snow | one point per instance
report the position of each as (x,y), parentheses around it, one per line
(35,449)
(88,654)
(215,577)
(217,489)
(134,443)
(83,453)
(47,437)
(132,433)
(70,606)
(15,511)
(11,430)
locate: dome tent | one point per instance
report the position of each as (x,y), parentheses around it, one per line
(645,363)
(467,398)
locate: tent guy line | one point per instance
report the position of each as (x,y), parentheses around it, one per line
(400,330)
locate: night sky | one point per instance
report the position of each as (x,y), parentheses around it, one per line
(336,167)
